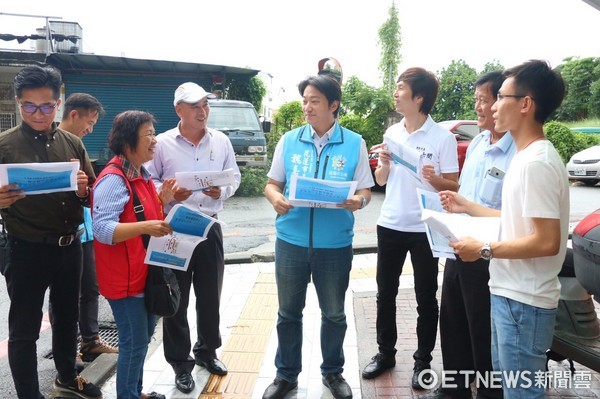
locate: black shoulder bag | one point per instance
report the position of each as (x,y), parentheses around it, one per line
(162,293)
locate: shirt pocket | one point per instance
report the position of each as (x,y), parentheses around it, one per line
(491,191)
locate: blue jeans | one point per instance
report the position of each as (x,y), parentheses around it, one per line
(521,335)
(330,272)
(135,326)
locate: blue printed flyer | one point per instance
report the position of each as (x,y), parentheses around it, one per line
(190,228)
(40,178)
(318,193)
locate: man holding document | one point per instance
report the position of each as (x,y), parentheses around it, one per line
(314,237)
(193,147)
(43,234)
(416,153)
(527,257)
(465,332)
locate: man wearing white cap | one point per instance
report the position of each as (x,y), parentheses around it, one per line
(192,146)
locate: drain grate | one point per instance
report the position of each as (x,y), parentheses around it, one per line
(108,333)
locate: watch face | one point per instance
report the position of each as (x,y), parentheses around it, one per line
(486,253)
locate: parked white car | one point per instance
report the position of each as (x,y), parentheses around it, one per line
(585,166)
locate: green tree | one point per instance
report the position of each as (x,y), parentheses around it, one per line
(491,66)
(365,109)
(455,97)
(287,117)
(390,40)
(580,76)
(251,89)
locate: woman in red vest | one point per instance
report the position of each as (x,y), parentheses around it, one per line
(118,244)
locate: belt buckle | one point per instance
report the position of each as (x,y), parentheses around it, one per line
(65,241)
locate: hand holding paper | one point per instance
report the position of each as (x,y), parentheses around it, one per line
(318,193)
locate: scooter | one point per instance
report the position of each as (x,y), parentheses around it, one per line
(577,331)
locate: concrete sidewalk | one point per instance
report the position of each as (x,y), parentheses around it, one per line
(248,314)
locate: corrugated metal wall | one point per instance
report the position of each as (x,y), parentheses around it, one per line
(120,92)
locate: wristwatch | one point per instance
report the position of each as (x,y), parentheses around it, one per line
(364,202)
(486,251)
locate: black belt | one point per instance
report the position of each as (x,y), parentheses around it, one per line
(61,241)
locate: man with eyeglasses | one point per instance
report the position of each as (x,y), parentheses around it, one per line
(43,238)
(193,147)
(534,225)
(465,332)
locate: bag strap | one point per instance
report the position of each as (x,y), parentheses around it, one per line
(138,208)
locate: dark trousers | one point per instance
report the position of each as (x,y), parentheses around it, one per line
(88,298)
(205,272)
(392,247)
(465,327)
(32,269)
(88,295)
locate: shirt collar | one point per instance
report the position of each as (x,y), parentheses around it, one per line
(128,169)
(504,144)
(327,134)
(37,134)
(424,128)
(208,133)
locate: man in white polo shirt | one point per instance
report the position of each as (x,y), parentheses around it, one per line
(400,229)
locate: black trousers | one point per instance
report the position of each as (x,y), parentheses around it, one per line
(32,269)
(392,248)
(205,273)
(465,326)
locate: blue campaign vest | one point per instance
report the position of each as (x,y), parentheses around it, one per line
(319,227)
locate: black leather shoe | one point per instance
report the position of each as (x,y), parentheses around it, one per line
(426,379)
(279,388)
(184,382)
(214,366)
(379,363)
(154,395)
(338,386)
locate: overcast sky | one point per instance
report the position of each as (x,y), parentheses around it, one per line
(286,38)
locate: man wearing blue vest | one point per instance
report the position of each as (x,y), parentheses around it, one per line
(315,244)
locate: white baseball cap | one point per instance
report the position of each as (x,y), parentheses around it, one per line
(190,93)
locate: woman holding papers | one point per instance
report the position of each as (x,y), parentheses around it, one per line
(315,243)
(118,241)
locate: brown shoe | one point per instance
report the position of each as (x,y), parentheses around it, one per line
(96,347)
(79,364)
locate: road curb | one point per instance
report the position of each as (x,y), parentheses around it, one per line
(251,257)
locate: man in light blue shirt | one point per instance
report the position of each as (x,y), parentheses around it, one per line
(465,332)
(193,147)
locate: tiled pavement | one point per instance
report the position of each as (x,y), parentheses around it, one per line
(248,312)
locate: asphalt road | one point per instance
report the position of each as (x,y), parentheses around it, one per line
(249,227)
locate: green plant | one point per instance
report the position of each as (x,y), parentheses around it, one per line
(253,182)
(566,142)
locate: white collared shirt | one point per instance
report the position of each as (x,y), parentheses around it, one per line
(175,153)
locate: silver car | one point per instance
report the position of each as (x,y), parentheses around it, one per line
(585,166)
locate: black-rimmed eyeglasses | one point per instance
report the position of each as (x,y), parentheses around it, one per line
(44,109)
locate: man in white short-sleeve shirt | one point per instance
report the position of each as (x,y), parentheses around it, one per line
(400,229)
(526,260)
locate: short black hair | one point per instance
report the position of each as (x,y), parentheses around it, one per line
(35,77)
(124,131)
(422,83)
(327,85)
(545,85)
(83,103)
(495,80)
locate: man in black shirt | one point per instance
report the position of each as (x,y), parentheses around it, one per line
(43,237)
